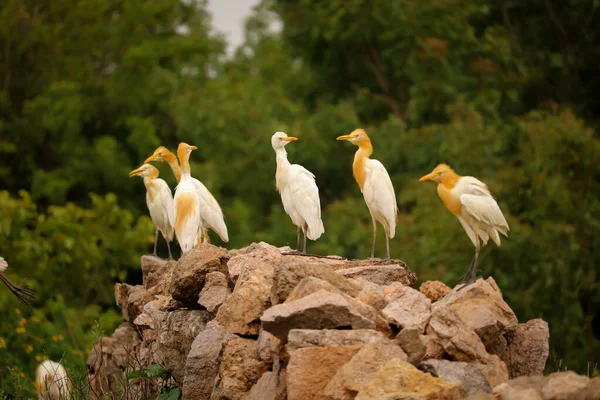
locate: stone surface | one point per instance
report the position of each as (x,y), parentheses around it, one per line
(269,347)
(300,338)
(382,274)
(564,385)
(189,276)
(311,368)
(409,340)
(408,308)
(240,368)
(528,348)
(255,253)
(320,310)
(481,307)
(433,346)
(310,285)
(156,272)
(241,312)
(371,294)
(131,300)
(289,274)
(348,380)
(401,380)
(434,290)
(465,374)
(215,291)
(202,364)
(270,386)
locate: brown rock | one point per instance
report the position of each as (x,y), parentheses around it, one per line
(590,392)
(409,340)
(202,364)
(213,297)
(311,368)
(561,385)
(131,300)
(557,386)
(355,373)
(104,376)
(156,272)
(240,368)
(400,380)
(269,347)
(289,274)
(433,345)
(528,348)
(270,386)
(189,276)
(408,308)
(482,396)
(466,375)
(300,338)
(310,285)
(320,310)
(251,296)
(481,307)
(382,274)
(371,294)
(255,253)
(434,290)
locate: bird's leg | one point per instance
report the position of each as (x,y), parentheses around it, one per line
(298,240)
(472,270)
(387,245)
(304,248)
(155,242)
(374,237)
(169,247)
(202,235)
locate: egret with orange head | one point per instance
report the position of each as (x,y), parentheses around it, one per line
(376,187)
(476,209)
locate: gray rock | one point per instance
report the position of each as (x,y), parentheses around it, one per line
(465,374)
(410,341)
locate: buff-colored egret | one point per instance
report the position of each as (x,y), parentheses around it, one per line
(23,293)
(187,202)
(376,187)
(210,211)
(159,200)
(299,192)
(52,381)
(476,209)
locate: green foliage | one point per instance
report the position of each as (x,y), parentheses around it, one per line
(167,390)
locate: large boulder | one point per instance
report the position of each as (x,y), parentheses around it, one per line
(300,338)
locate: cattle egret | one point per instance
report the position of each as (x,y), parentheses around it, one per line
(299,192)
(24,294)
(376,187)
(187,202)
(52,381)
(210,212)
(476,209)
(159,200)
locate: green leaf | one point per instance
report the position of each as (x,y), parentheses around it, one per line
(156,371)
(171,393)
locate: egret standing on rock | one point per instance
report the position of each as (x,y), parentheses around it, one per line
(210,211)
(159,200)
(476,209)
(299,192)
(24,294)
(376,187)
(187,202)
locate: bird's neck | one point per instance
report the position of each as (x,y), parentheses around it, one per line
(449,180)
(365,149)
(184,165)
(172,161)
(282,165)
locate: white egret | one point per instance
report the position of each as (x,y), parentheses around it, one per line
(187,202)
(299,192)
(476,209)
(52,381)
(159,200)
(376,187)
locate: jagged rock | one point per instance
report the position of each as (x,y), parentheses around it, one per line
(311,368)
(300,338)
(289,274)
(251,296)
(371,294)
(269,347)
(463,344)
(409,339)
(348,380)
(481,307)
(189,276)
(407,308)
(556,386)
(240,368)
(433,346)
(124,343)
(382,274)
(434,290)
(202,364)
(320,310)
(255,253)
(465,374)
(528,348)
(215,291)
(156,273)
(270,386)
(310,285)
(131,300)
(103,374)
(401,380)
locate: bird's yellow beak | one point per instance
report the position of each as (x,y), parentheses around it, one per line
(427,177)
(289,139)
(344,137)
(136,172)
(193,148)
(151,158)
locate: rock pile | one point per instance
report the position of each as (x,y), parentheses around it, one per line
(264,323)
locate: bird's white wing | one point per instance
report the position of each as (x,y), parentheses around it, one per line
(380,196)
(304,195)
(210,211)
(485,209)
(166,197)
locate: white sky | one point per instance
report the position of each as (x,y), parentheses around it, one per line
(228,18)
